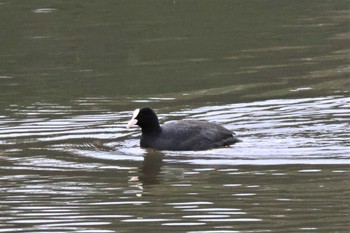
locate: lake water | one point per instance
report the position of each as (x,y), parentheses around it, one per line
(275,72)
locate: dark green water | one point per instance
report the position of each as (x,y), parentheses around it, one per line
(275,72)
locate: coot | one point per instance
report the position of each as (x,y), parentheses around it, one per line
(179,135)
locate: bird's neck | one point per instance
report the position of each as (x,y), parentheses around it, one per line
(152,129)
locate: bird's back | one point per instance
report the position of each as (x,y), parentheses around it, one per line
(189,135)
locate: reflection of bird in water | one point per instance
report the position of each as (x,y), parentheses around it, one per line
(149,171)
(151,167)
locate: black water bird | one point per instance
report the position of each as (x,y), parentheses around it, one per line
(179,135)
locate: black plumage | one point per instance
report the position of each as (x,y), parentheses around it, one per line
(180,135)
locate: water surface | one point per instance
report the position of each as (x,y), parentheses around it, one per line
(276,73)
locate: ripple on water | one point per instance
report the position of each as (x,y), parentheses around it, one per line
(274,132)
(44,10)
(281,131)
